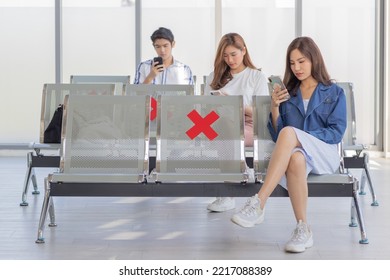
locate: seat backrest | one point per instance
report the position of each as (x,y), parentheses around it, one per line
(200,138)
(263,144)
(118,80)
(202,86)
(54,94)
(350,132)
(154,91)
(107,79)
(106,135)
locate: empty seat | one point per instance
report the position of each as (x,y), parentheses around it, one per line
(200,139)
(358,159)
(106,139)
(52,96)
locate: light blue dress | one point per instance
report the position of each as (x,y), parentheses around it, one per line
(321,157)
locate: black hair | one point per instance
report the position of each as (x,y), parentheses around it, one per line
(310,50)
(162,33)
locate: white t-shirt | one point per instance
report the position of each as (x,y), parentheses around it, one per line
(247,83)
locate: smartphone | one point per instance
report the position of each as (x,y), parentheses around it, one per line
(159,60)
(276,80)
(215,92)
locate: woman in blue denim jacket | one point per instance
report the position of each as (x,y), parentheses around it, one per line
(307,121)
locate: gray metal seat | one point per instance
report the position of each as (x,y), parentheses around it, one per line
(203,85)
(118,80)
(52,96)
(358,159)
(200,139)
(330,185)
(105,141)
(154,91)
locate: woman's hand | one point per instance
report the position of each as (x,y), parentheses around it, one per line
(279,96)
(248,112)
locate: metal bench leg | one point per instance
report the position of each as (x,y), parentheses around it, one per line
(353,215)
(27,179)
(370,185)
(34,182)
(45,205)
(52,214)
(362,183)
(358,211)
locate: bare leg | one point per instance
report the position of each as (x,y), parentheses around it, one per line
(297,185)
(248,133)
(280,159)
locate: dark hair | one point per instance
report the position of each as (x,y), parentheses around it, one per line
(162,33)
(310,50)
(222,73)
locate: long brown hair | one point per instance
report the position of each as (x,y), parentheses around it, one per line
(222,73)
(310,50)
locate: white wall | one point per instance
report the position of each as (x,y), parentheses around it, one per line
(344,31)
(387,84)
(26,63)
(99,39)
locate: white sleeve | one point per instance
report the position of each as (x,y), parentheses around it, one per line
(261,87)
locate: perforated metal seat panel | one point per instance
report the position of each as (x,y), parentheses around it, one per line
(54,94)
(154,91)
(263,144)
(97,79)
(200,139)
(118,80)
(106,135)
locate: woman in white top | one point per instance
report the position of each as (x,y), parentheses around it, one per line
(235,74)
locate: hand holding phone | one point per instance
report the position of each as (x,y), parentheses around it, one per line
(158,59)
(276,81)
(159,64)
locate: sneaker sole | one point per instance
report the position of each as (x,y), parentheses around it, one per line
(246,224)
(224,209)
(221,210)
(295,249)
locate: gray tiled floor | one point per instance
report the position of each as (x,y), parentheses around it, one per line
(181,228)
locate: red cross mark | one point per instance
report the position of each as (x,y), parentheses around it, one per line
(202,125)
(153,108)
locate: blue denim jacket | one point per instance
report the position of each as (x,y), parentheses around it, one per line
(326,116)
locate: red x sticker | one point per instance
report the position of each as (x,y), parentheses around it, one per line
(153,108)
(202,125)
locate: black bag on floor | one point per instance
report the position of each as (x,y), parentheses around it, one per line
(52,133)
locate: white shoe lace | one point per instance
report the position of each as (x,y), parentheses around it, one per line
(250,208)
(219,201)
(300,234)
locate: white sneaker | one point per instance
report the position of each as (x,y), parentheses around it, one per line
(251,214)
(222,204)
(301,239)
